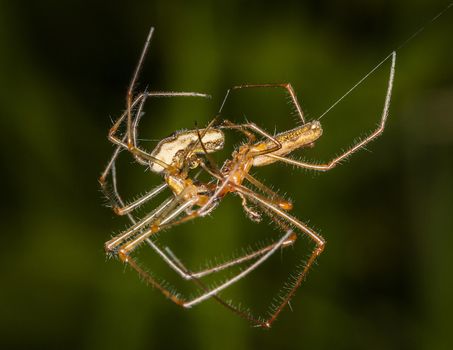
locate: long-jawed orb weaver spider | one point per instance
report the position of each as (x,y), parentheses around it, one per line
(172,158)
(175,156)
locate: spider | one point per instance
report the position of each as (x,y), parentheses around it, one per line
(173,158)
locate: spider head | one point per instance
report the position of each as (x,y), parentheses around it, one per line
(313,131)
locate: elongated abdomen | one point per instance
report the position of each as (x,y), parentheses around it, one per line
(290,140)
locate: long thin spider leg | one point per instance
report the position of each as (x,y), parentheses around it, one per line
(121,141)
(227,264)
(226,124)
(128,247)
(119,201)
(247,257)
(224,303)
(113,198)
(268,207)
(146,276)
(213,168)
(119,147)
(118,141)
(180,301)
(137,226)
(125,250)
(117,205)
(272,197)
(113,130)
(251,213)
(240,275)
(130,90)
(113,244)
(151,219)
(169,222)
(211,203)
(141,155)
(188,274)
(137,118)
(320,244)
(159,94)
(125,209)
(191,148)
(287,86)
(105,173)
(275,197)
(150,279)
(377,132)
(288,239)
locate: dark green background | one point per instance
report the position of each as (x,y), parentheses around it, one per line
(384,281)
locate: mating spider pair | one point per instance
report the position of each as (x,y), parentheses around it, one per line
(175,156)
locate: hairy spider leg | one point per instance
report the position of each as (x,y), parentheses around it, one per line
(287,86)
(359,145)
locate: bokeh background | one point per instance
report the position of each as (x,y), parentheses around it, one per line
(384,281)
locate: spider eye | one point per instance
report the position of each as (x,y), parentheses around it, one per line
(194,163)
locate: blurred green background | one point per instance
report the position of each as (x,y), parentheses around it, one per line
(384,281)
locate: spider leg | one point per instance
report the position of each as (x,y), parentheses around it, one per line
(120,141)
(319,241)
(288,239)
(252,214)
(134,124)
(287,86)
(166,220)
(174,262)
(288,242)
(142,156)
(124,251)
(273,196)
(265,253)
(112,245)
(377,132)
(208,294)
(131,102)
(213,168)
(123,210)
(170,213)
(226,124)
(181,301)
(151,280)
(118,205)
